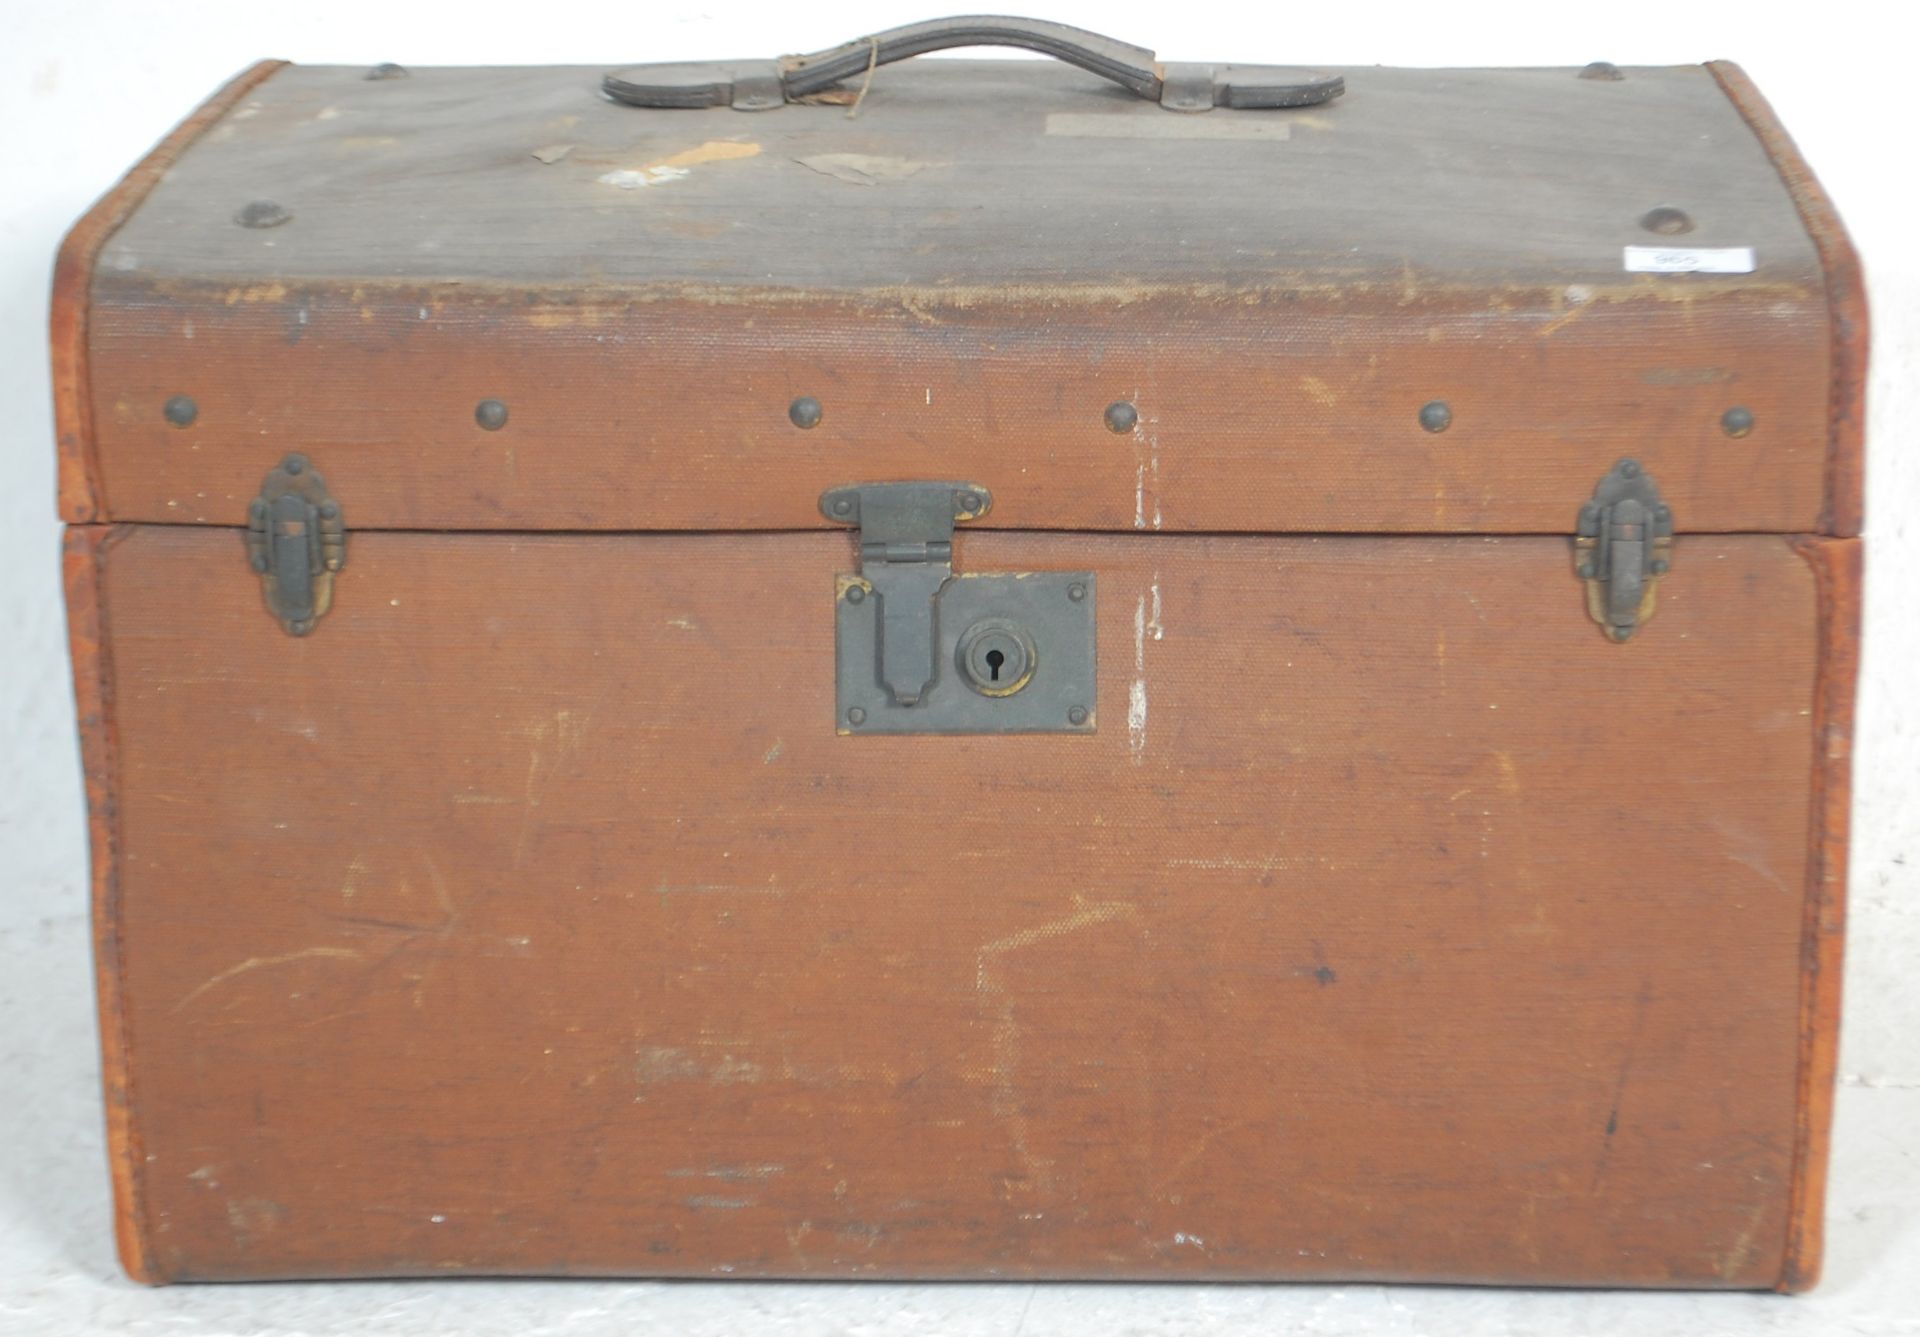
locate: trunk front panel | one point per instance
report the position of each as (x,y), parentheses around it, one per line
(531,917)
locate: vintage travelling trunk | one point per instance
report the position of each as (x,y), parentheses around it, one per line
(988,671)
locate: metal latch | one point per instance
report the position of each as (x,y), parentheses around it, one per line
(1623,544)
(296,540)
(919,649)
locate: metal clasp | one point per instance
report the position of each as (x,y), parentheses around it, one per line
(296,540)
(906,555)
(920,649)
(1623,544)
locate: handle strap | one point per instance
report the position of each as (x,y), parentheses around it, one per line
(757,85)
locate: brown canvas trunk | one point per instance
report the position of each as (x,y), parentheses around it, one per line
(542,910)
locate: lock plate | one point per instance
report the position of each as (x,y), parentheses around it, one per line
(922,649)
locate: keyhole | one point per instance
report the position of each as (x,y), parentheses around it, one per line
(994,660)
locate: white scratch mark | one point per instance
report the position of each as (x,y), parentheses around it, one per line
(568,731)
(1143,627)
(1147,480)
(1007,1105)
(1223,864)
(260,962)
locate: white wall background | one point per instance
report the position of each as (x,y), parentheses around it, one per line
(88,85)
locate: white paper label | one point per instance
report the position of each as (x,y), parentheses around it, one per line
(1690,259)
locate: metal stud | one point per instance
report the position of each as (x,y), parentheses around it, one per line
(181,411)
(1436,416)
(262,214)
(1604,70)
(1077,716)
(805,412)
(388,70)
(1121,417)
(1666,219)
(491,414)
(1737,421)
(856,716)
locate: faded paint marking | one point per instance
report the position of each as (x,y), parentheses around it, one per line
(261,962)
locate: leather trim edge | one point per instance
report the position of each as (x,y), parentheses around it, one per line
(1846,301)
(84,555)
(1836,565)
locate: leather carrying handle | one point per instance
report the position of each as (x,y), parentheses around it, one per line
(757,85)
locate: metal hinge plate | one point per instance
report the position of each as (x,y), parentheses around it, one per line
(919,649)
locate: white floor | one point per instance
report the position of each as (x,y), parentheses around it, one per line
(58,1276)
